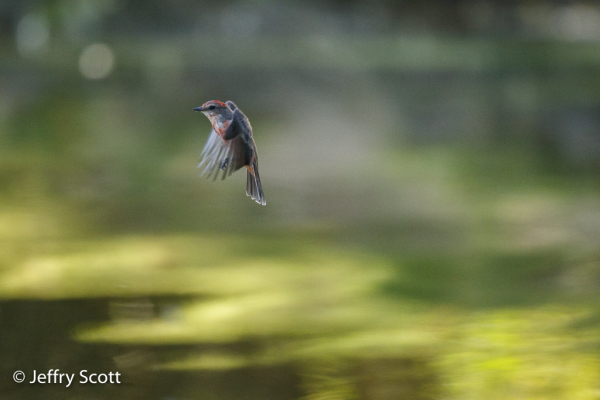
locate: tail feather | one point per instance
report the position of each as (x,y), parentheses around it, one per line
(254,188)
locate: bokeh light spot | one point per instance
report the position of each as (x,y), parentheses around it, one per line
(32,34)
(96,61)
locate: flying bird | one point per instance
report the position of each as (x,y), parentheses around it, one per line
(230,146)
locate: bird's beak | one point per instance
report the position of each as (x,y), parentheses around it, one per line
(198,109)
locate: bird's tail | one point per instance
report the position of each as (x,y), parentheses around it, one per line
(253,186)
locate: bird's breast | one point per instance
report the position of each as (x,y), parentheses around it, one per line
(220,126)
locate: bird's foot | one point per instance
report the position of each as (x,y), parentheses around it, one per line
(224,164)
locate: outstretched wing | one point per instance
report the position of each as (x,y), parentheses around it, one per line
(213,155)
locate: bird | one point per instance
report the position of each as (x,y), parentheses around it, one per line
(230,146)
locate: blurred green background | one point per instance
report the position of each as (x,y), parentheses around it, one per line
(432,228)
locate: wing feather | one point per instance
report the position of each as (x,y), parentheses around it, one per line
(214,153)
(231,105)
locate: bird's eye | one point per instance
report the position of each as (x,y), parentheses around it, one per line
(211,107)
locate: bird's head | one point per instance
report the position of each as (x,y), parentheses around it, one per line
(214,109)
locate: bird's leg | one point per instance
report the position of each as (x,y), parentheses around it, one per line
(224,164)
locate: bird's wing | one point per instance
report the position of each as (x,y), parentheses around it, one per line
(228,156)
(213,155)
(210,144)
(231,105)
(241,145)
(239,125)
(239,154)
